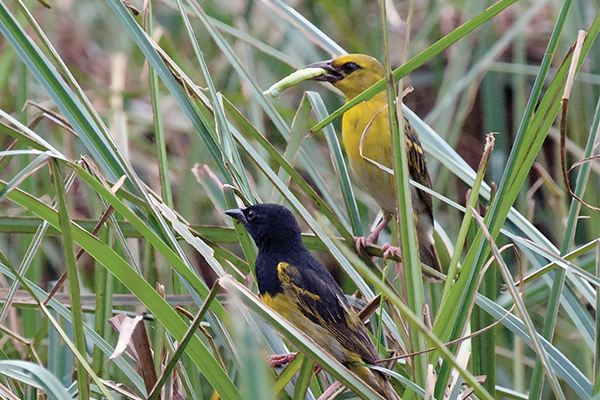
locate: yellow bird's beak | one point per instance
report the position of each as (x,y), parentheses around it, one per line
(333,74)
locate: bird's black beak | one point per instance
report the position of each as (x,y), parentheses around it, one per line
(333,75)
(237,214)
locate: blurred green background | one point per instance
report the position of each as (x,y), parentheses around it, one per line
(82,78)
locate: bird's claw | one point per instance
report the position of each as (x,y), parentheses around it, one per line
(390,251)
(276,360)
(361,243)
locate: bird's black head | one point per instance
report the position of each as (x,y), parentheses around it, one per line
(272,226)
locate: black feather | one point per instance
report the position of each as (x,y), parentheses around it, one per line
(279,241)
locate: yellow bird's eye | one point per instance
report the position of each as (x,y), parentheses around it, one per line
(349,67)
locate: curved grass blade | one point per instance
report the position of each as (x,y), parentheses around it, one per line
(539,349)
(339,165)
(137,285)
(314,33)
(33,375)
(323,207)
(419,59)
(561,364)
(146,45)
(226,141)
(65,99)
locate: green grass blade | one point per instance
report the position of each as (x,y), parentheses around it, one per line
(73,276)
(419,59)
(33,375)
(339,165)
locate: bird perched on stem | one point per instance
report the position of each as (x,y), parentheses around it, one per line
(368,142)
(293,283)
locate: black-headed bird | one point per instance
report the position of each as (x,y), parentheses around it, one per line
(294,284)
(368,143)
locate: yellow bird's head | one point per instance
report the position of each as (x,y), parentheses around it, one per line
(350,73)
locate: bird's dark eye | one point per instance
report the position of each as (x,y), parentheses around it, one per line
(251,215)
(349,67)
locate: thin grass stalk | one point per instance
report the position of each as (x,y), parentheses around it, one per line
(232,157)
(339,165)
(404,226)
(417,320)
(574,209)
(303,378)
(74,105)
(103,288)
(515,174)
(153,395)
(288,373)
(74,290)
(522,310)
(33,267)
(494,106)
(419,59)
(466,222)
(293,146)
(159,131)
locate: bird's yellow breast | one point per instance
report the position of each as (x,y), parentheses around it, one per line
(368,143)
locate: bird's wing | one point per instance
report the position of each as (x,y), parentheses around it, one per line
(320,299)
(417,167)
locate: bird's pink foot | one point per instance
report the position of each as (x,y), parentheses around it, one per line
(389,250)
(361,243)
(279,359)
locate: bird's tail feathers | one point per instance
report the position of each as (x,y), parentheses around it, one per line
(427,252)
(429,256)
(378,381)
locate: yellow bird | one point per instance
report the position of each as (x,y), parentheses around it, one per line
(368,142)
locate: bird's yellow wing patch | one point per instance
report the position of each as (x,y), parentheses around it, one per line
(314,305)
(284,270)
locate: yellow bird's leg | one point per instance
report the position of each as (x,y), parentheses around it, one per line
(389,250)
(279,359)
(362,242)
